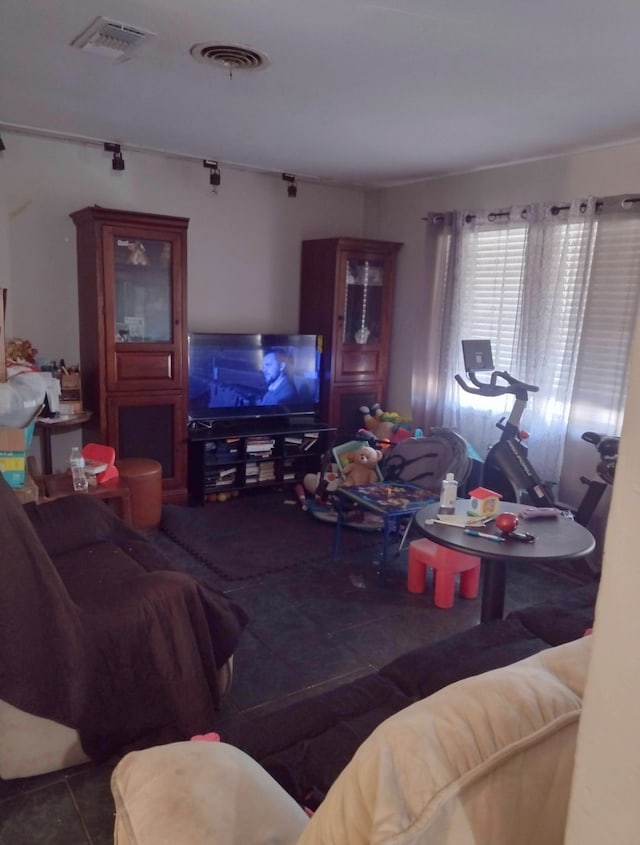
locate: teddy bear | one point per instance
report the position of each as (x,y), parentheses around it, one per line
(361,468)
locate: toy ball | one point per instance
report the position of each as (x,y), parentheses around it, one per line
(506,522)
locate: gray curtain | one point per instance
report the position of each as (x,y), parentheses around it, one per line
(556,288)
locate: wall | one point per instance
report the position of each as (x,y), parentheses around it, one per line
(604,803)
(243,242)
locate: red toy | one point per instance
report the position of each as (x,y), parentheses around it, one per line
(506,522)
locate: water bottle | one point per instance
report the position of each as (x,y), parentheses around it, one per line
(448,494)
(76,462)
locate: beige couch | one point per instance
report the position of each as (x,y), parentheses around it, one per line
(31,745)
(485,761)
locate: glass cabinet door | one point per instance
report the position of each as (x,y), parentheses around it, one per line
(142,290)
(363,302)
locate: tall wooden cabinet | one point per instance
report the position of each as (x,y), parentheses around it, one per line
(132,288)
(346,295)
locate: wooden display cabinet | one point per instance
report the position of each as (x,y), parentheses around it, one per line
(346,295)
(132,288)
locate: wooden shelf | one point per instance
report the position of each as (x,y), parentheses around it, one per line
(259,453)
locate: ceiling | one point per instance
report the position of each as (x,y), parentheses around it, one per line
(355,91)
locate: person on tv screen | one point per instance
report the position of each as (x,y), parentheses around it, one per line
(281,388)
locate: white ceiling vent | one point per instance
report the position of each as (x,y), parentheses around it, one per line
(231,57)
(110,38)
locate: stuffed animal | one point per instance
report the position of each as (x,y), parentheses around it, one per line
(361,469)
(311,483)
(383,427)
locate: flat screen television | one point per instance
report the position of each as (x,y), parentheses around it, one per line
(235,376)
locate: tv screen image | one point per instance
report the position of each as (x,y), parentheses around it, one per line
(252,375)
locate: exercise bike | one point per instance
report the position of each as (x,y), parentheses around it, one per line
(607,446)
(507,469)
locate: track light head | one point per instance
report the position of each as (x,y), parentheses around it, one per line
(2,146)
(292,188)
(117,162)
(214,172)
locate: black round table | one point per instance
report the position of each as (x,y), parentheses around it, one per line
(557,538)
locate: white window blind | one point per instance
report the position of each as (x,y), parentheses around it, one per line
(609,323)
(491,278)
(558,296)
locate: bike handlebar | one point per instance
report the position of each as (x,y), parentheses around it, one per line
(492,388)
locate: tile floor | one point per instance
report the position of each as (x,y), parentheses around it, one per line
(310,628)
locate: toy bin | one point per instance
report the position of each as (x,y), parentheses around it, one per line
(14,445)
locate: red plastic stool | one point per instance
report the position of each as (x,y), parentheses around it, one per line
(445,563)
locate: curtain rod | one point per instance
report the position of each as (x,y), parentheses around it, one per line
(439,217)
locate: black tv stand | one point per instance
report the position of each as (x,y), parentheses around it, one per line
(226,456)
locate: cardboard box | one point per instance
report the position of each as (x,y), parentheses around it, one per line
(70,387)
(70,394)
(14,442)
(28,492)
(14,445)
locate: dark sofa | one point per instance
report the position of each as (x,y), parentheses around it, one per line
(104,645)
(307,744)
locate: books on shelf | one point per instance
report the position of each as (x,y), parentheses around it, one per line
(302,442)
(222,477)
(309,439)
(222,450)
(266,471)
(261,445)
(255,471)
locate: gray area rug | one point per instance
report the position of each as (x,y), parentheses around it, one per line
(255,535)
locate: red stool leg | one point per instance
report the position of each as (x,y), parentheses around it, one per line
(416,572)
(445,583)
(470,582)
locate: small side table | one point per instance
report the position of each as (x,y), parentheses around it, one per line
(392,501)
(115,490)
(556,539)
(46,426)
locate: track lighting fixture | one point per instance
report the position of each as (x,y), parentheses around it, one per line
(117,162)
(292,188)
(214,172)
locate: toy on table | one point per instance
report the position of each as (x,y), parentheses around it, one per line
(483,502)
(99,462)
(506,522)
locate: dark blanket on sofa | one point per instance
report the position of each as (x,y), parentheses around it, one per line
(100,633)
(306,744)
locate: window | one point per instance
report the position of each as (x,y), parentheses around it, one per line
(556,290)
